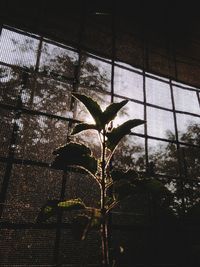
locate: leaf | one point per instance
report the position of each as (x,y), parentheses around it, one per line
(92,106)
(48,210)
(128,175)
(74,155)
(72,204)
(118,133)
(111,111)
(72,149)
(86,163)
(82,127)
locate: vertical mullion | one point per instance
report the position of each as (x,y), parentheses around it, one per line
(198,96)
(113,22)
(76,83)
(178,149)
(11,153)
(145,125)
(145,66)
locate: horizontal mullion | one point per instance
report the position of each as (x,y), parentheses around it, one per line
(37,113)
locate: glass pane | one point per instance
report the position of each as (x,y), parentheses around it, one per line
(39,136)
(18,49)
(158,93)
(2,173)
(130,111)
(6,124)
(82,186)
(95,74)
(160,123)
(50,96)
(164,157)
(190,157)
(186,100)
(190,163)
(130,153)
(75,253)
(188,128)
(10,85)
(58,60)
(128,84)
(27,247)
(29,189)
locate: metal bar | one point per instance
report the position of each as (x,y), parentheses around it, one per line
(9,165)
(178,151)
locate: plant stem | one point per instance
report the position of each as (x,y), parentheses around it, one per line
(104,224)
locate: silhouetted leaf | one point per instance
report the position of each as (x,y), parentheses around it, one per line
(72,149)
(74,155)
(92,106)
(118,133)
(82,127)
(111,111)
(87,163)
(72,204)
(48,210)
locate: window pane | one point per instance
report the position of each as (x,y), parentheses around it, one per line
(6,124)
(186,100)
(2,173)
(190,157)
(164,156)
(27,247)
(73,253)
(29,189)
(95,74)
(10,85)
(158,93)
(39,136)
(49,96)
(188,128)
(160,123)
(128,84)
(58,60)
(18,49)
(130,153)
(130,111)
(89,190)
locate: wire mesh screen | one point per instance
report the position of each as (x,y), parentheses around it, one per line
(37,77)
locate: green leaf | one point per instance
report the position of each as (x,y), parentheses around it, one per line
(111,111)
(92,106)
(121,175)
(72,204)
(82,127)
(118,133)
(74,155)
(48,210)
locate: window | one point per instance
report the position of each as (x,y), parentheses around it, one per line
(37,77)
